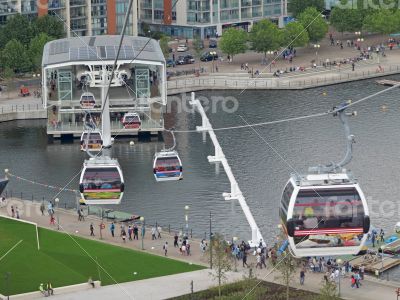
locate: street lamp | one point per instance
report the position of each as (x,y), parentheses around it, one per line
(316,46)
(235,238)
(213,54)
(58,217)
(382,248)
(339,262)
(270,64)
(187,219)
(143,230)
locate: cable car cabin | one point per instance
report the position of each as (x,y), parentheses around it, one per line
(87,100)
(167,166)
(101,181)
(91,140)
(324,215)
(131,121)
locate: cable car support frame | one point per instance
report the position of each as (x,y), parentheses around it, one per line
(219,157)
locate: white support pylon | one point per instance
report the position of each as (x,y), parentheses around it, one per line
(219,157)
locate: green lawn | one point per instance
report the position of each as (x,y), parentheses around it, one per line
(63,261)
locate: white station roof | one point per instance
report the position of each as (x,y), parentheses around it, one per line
(98,48)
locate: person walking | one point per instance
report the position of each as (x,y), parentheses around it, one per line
(91,229)
(302,276)
(362,271)
(135,232)
(176,240)
(12,212)
(373,239)
(112,229)
(381,234)
(263,258)
(123,234)
(187,249)
(42,208)
(244,259)
(353,65)
(153,233)
(258,259)
(49,289)
(82,215)
(16,212)
(165,247)
(159,229)
(79,215)
(130,232)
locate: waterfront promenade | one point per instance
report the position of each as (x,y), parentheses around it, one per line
(174,285)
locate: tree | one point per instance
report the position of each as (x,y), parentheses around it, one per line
(286,265)
(50,25)
(36,49)
(222,259)
(266,36)
(383,21)
(15,56)
(328,292)
(17,27)
(295,35)
(198,48)
(164,45)
(296,7)
(233,41)
(347,19)
(313,22)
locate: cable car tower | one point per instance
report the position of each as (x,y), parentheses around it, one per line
(325,212)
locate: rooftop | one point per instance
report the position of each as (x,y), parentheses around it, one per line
(100,48)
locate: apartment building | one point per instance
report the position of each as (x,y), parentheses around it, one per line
(81,17)
(182,18)
(187,18)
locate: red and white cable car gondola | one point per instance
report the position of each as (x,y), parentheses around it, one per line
(167,166)
(91,140)
(131,121)
(101,181)
(87,101)
(325,213)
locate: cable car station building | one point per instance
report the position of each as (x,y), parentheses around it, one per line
(74,66)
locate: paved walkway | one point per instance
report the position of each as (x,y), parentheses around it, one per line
(175,285)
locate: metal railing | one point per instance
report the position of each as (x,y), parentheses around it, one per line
(5,109)
(147,124)
(224,82)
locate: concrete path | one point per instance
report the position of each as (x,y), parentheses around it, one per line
(152,289)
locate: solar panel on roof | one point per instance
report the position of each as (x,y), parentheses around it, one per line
(111,52)
(59,47)
(102,51)
(138,46)
(73,54)
(129,52)
(92,40)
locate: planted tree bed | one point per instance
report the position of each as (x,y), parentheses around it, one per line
(250,290)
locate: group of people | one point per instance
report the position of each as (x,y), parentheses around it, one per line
(14,212)
(333,271)
(374,237)
(46,290)
(50,211)
(132,232)
(182,243)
